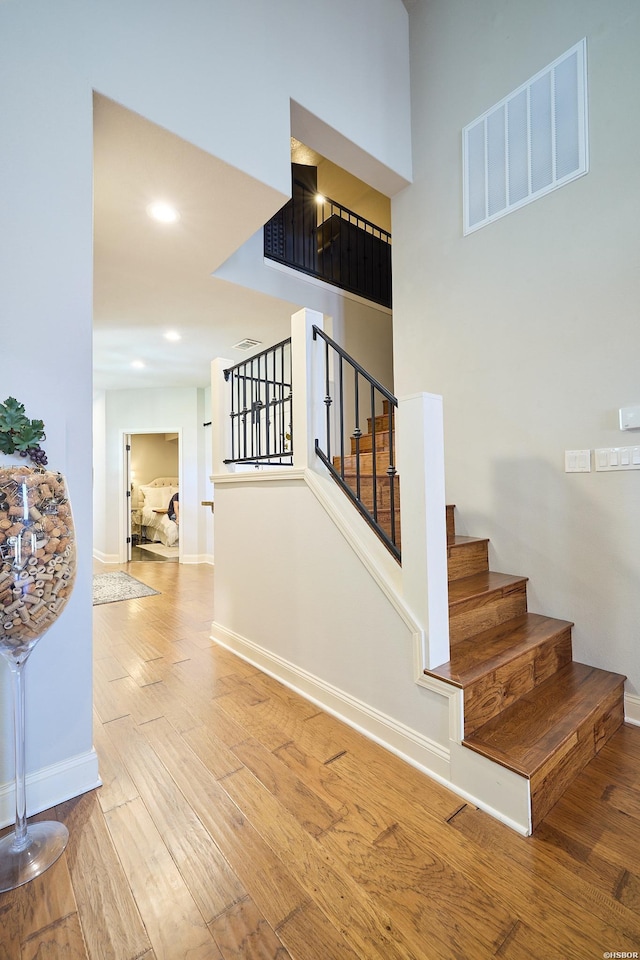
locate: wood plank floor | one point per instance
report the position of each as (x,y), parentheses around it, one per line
(236,820)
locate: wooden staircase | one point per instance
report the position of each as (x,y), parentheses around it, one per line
(527,705)
(380,426)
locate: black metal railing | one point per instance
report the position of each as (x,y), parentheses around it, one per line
(321,237)
(367,473)
(261,407)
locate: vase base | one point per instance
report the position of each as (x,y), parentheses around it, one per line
(46,840)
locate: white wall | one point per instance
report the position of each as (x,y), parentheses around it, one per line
(317,617)
(219,75)
(528,327)
(45,311)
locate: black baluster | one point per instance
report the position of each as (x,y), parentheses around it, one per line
(373,454)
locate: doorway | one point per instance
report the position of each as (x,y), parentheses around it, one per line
(152,496)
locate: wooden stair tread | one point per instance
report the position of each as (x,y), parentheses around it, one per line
(481,584)
(494,648)
(458,541)
(525,735)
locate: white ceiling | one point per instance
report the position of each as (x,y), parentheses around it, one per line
(151,277)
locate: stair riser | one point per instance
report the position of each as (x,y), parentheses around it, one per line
(451,521)
(366,442)
(366,463)
(465,559)
(496,691)
(552,779)
(480,613)
(381,423)
(383,491)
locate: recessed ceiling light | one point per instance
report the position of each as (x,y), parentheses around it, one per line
(138,364)
(164,212)
(172,335)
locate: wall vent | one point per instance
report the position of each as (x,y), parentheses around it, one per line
(246,344)
(532,142)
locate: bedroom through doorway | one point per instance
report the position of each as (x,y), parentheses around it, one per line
(153,496)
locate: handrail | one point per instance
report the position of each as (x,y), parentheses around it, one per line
(317,332)
(352,216)
(373,491)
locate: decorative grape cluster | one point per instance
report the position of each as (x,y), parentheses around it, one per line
(19,434)
(36,454)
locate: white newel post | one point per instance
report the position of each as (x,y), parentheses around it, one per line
(420,463)
(220,417)
(308,388)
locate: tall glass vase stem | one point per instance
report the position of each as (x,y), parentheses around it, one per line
(17,678)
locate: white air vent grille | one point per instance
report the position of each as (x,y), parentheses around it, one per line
(530,143)
(246,344)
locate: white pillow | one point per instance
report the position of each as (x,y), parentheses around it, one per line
(156,498)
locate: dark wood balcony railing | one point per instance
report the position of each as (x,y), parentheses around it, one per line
(326,240)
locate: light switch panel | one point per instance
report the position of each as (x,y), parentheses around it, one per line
(630,418)
(577,461)
(617,458)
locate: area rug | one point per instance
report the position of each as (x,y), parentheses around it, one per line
(109,587)
(160,549)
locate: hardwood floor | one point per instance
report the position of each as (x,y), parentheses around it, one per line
(236,820)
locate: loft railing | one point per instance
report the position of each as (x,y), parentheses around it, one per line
(366,472)
(321,237)
(261,408)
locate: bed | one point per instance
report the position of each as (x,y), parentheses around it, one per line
(155,496)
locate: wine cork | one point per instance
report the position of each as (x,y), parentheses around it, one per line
(37,555)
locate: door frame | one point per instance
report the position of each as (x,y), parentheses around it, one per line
(126,481)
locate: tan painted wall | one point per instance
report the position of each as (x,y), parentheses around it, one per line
(529,327)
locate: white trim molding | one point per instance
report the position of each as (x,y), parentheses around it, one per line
(408,744)
(632,709)
(105,557)
(52,785)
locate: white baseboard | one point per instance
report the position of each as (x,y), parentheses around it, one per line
(632,709)
(197,558)
(105,557)
(51,785)
(486,785)
(418,750)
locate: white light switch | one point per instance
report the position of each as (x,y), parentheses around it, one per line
(617,458)
(577,461)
